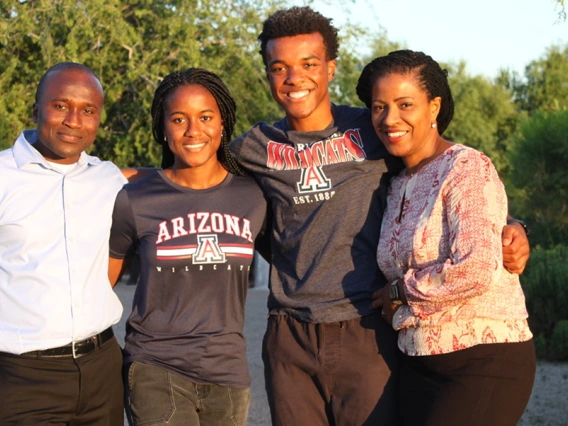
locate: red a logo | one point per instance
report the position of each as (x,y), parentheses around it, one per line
(208,250)
(313,179)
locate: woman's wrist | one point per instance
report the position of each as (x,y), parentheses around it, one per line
(402,291)
(396,292)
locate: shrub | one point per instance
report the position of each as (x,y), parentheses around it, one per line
(559,341)
(540,346)
(545,283)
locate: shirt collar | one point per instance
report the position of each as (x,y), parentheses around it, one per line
(25,153)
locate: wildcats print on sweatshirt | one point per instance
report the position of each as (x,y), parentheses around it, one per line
(210,229)
(310,159)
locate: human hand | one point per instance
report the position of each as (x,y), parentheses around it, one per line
(380,299)
(516,248)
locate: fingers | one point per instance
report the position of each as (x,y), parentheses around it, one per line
(516,253)
(507,235)
(377,299)
(388,312)
(516,263)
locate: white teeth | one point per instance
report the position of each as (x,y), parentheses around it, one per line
(396,134)
(194,146)
(298,95)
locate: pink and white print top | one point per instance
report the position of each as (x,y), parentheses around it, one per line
(441,233)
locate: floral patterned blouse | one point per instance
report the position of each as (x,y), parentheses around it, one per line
(441,234)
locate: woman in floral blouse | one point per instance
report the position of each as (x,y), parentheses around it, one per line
(468,354)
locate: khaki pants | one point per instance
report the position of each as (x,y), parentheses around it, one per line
(156,396)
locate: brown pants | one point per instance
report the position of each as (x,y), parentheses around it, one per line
(338,374)
(63,391)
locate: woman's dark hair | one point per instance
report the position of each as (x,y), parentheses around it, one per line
(297,21)
(431,78)
(225,102)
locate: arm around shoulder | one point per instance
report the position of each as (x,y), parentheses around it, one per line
(516,247)
(115,269)
(133,174)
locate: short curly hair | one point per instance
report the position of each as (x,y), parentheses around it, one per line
(431,78)
(297,21)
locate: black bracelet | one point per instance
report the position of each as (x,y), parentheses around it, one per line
(520,222)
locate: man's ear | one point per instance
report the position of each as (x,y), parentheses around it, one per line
(35,113)
(331,66)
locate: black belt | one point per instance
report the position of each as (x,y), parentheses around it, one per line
(74,349)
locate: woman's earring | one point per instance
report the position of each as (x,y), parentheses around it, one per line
(165,139)
(434,125)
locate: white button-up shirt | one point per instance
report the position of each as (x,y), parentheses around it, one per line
(54,232)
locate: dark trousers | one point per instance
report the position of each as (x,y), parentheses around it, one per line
(156,396)
(485,385)
(339,374)
(63,391)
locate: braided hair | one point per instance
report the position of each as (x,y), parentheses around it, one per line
(298,21)
(431,78)
(225,102)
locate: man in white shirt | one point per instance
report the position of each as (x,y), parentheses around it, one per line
(59,360)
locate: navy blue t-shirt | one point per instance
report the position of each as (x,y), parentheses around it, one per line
(327,190)
(195,247)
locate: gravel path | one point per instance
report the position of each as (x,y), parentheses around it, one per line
(548,405)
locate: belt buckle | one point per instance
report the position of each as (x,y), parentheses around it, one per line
(73,349)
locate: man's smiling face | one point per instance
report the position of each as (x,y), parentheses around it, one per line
(299,73)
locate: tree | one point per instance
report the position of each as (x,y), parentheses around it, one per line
(131,45)
(561,9)
(539,176)
(484,116)
(351,61)
(544,84)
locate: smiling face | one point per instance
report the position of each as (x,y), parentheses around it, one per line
(193,126)
(299,73)
(403,116)
(67,113)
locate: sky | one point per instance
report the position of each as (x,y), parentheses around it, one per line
(488,34)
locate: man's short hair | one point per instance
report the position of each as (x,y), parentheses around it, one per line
(62,66)
(297,21)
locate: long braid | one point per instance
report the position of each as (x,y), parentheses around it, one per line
(431,77)
(224,100)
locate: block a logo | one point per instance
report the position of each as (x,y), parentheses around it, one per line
(208,250)
(313,179)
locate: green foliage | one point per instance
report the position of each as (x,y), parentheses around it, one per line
(131,45)
(350,64)
(539,176)
(559,341)
(484,116)
(544,85)
(540,345)
(349,67)
(545,284)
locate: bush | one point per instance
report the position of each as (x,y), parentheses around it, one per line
(538,158)
(540,346)
(545,283)
(559,341)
